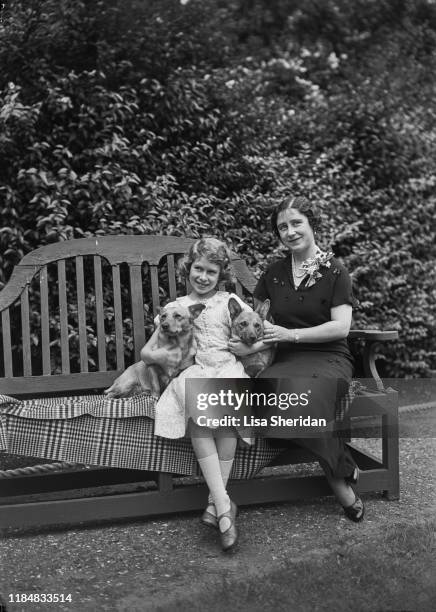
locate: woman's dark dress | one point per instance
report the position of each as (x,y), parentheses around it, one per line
(297,308)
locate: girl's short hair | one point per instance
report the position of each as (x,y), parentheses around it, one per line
(303,205)
(214,251)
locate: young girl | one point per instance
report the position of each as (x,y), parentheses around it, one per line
(205,266)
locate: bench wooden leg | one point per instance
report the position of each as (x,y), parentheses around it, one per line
(165,482)
(390,447)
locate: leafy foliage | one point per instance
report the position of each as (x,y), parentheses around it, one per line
(192,117)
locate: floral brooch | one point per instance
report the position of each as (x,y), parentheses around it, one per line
(311,266)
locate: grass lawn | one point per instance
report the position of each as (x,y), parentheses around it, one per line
(303,556)
(394,571)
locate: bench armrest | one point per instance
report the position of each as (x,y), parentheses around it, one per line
(372,338)
(373,334)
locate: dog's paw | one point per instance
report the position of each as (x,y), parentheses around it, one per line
(116,391)
(126,385)
(121,387)
(125,391)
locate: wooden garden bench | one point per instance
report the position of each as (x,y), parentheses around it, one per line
(73,315)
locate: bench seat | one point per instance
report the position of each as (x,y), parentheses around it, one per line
(73,316)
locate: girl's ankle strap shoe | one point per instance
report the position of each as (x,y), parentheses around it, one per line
(229,537)
(209,519)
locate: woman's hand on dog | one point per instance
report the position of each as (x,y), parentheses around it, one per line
(276,333)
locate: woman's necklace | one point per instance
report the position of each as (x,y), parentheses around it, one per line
(298,271)
(310,267)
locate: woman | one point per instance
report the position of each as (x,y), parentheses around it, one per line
(311,305)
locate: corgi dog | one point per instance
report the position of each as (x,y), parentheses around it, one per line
(176,333)
(247,326)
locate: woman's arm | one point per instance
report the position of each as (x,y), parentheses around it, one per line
(335,329)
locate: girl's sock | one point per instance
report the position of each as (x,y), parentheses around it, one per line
(226,468)
(210,468)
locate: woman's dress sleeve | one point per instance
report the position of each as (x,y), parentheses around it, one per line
(261,291)
(343,290)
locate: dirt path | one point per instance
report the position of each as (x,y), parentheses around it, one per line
(305,554)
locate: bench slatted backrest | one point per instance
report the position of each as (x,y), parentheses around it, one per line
(76,313)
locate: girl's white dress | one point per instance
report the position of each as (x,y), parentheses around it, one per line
(212,329)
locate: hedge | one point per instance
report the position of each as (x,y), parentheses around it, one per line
(193,118)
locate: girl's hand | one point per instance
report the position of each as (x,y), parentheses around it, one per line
(238,348)
(165,358)
(168,358)
(276,333)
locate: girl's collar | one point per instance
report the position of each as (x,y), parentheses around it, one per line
(199,299)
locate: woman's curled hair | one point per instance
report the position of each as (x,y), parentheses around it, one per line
(303,205)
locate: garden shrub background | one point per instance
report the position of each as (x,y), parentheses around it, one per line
(164,117)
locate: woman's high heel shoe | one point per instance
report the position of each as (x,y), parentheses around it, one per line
(354,477)
(229,537)
(356,511)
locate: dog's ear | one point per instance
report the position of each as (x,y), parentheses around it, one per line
(235,308)
(195,310)
(263,309)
